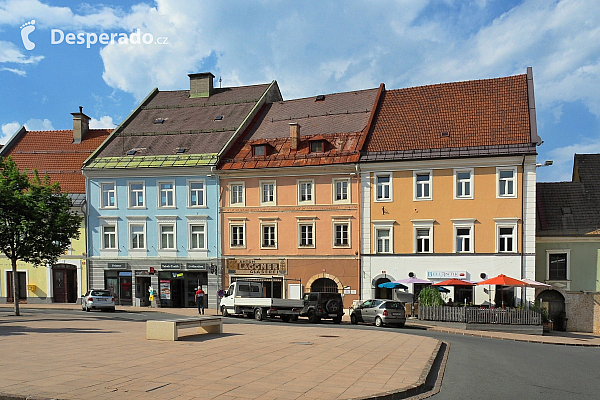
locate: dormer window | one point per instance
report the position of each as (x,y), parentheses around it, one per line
(316,146)
(259,150)
(159,121)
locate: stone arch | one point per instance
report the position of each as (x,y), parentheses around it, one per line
(328,276)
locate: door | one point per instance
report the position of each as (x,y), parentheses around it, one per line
(125,298)
(141,290)
(22,277)
(366,311)
(60,285)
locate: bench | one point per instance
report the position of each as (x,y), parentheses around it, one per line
(168,330)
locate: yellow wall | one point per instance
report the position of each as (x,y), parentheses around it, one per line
(484,207)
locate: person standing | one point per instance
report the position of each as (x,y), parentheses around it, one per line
(200,299)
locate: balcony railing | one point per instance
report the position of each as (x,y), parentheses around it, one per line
(476,315)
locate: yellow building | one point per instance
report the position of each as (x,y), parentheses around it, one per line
(60,155)
(448,188)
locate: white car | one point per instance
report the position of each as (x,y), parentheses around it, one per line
(98,298)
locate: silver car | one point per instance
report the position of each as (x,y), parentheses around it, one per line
(99,299)
(379,312)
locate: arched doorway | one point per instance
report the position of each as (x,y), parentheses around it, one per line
(324,285)
(554,302)
(64,281)
(382,293)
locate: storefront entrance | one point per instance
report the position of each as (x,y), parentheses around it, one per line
(119,284)
(22,277)
(142,284)
(64,281)
(178,289)
(381,292)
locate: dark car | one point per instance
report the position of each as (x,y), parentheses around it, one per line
(323,305)
(379,312)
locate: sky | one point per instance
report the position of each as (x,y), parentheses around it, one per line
(57,55)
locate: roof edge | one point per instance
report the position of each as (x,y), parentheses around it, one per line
(13,140)
(369,126)
(535,138)
(121,125)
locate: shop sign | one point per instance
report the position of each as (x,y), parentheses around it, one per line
(446,274)
(201,266)
(165,290)
(142,272)
(258,267)
(119,265)
(170,266)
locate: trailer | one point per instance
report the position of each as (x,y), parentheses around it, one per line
(247,298)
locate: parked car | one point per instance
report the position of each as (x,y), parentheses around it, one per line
(98,299)
(319,305)
(379,312)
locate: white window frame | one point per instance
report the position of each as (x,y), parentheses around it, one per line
(267,223)
(230,192)
(161,225)
(457,183)
(306,221)
(130,192)
(112,222)
(423,224)
(507,223)
(299,184)
(233,224)
(190,190)
(114,190)
(131,224)
(262,202)
(158,186)
(338,222)
(191,225)
(467,223)
(429,183)
(559,251)
(334,184)
(390,185)
(383,225)
(514,180)
(104,226)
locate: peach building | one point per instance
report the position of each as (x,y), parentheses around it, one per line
(290,195)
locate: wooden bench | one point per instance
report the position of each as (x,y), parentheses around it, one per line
(168,330)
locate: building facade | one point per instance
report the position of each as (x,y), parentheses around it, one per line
(60,155)
(153,193)
(448,188)
(290,200)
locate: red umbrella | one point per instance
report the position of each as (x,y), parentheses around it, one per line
(502,280)
(454,282)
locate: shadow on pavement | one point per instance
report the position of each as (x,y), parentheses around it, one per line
(16,330)
(204,337)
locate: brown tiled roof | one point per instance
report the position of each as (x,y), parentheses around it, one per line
(55,154)
(187,122)
(340,119)
(489,112)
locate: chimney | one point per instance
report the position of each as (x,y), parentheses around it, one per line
(294,135)
(201,85)
(81,125)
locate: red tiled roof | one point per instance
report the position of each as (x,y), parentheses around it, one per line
(341,119)
(487,112)
(54,153)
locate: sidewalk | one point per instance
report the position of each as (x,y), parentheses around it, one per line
(84,356)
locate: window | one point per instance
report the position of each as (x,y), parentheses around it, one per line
(109,195)
(137,234)
(136,195)
(422,185)
(166,194)
(423,240)
(341,232)
(236,194)
(383,183)
(316,146)
(463,240)
(340,190)
(557,267)
(306,235)
(506,239)
(109,237)
(267,193)
(463,184)
(305,192)
(507,182)
(167,236)
(259,150)
(383,240)
(196,193)
(197,237)
(423,235)
(269,239)
(237,236)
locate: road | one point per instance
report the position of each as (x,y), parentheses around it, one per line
(477,367)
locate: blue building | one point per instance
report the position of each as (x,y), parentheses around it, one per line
(153,193)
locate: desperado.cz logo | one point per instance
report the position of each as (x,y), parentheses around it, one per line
(58,36)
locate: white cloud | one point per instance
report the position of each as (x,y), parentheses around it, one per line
(8,130)
(105,122)
(39,125)
(9,53)
(562,168)
(14,71)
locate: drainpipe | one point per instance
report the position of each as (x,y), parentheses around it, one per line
(523,188)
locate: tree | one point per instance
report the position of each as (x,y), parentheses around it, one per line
(430,296)
(36,224)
